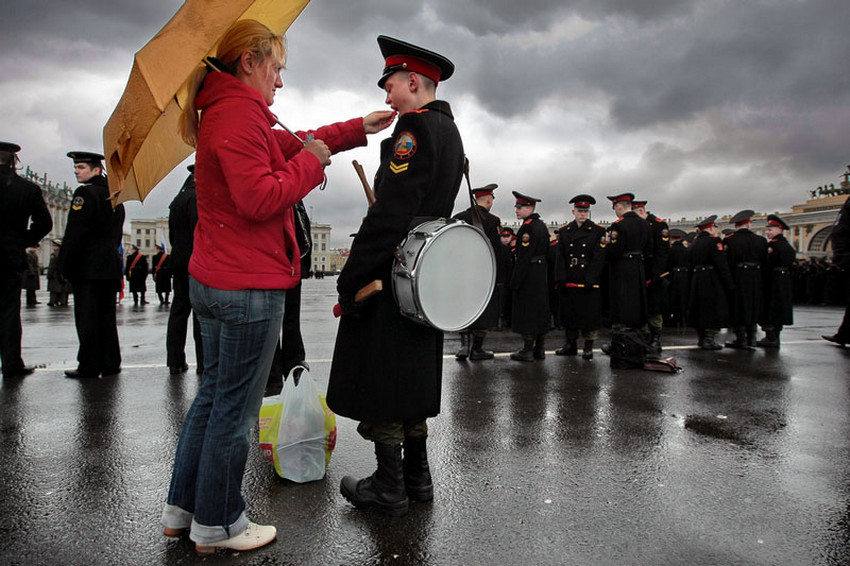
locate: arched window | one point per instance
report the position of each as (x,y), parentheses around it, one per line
(820,242)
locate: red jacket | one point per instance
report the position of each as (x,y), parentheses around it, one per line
(248,178)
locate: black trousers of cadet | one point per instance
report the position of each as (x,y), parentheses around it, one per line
(178,318)
(97,329)
(289,351)
(10,323)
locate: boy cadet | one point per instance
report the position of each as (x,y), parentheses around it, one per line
(387,369)
(89,259)
(529,282)
(778,293)
(579,262)
(747,253)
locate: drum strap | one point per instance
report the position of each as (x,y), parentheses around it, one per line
(477,221)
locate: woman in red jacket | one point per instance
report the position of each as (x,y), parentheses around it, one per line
(249,176)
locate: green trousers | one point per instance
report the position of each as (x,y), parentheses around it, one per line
(392,432)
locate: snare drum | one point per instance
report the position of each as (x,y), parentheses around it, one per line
(444,274)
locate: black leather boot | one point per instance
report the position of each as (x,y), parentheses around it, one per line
(771,339)
(751,337)
(526,354)
(477,352)
(417,474)
(569,349)
(587,354)
(740,342)
(463,352)
(539,348)
(383,491)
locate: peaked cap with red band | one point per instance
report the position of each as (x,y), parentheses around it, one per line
(622,197)
(707,223)
(638,204)
(484,191)
(773,220)
(402,56)
(524,200)
(582,202)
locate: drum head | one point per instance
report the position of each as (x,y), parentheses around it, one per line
(455,277)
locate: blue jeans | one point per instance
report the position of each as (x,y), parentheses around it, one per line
(239,331)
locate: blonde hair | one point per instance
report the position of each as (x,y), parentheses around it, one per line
(244,35)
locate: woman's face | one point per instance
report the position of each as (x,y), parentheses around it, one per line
(266,78)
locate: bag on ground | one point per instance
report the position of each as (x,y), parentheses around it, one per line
(297,430)
(628,348)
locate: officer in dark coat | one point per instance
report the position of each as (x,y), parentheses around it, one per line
(841,257)
(136,272)
(24,220)
(747,253)
(182,218)
(579,262)
(472,339)
(89,259)
(657,273)
(503,283)
(677,265)
(778,308)
(387,369)
(161,273)
(529,282)
(629,243)
(711,284)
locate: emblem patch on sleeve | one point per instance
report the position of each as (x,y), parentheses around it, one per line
(405,146)
(613,237)
(526,239)
(77,204)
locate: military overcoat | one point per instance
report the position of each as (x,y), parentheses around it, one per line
(490,224)
(629,243)
(746,253)
(778,292)
(711,283)
(529,282)
(579,263)
(385,366)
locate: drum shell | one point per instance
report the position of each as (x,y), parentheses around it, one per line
(447,276)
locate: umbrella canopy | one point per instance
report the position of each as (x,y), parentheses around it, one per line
(140,140)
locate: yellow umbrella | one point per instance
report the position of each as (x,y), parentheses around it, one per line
(140,140)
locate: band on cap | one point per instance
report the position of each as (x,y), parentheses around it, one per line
(638,204)
(625,197)
(484,191)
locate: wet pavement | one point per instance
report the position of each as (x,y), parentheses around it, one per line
(744,458)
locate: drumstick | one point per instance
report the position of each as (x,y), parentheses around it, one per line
(370,196)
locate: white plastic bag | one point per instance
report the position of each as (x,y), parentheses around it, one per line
(302,438)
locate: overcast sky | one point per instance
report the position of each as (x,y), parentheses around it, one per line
(699,106)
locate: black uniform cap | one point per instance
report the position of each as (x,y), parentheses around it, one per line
(191,168)
(677,233)
(621,197)
(727,231)
(402,56)
(10,147)
(773,220)
(507,231)
(485,190)
(524,200)
(86,157)
(691,236)
(582,202)
(638,204)
(742,216)
(706,222)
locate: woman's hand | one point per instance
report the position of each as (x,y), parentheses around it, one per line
(378,120)
(320,150)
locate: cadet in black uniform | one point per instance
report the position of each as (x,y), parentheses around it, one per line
(711,284)
(656,273)
(89,259)
(24,221)
(136,272)
(778,293)
(841,257)
(747,253)
(182,218)
(530,298)
(161,272)
(387,369)
(677,265)
(472,339)
(579,262)
(503,283)
(629,243)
